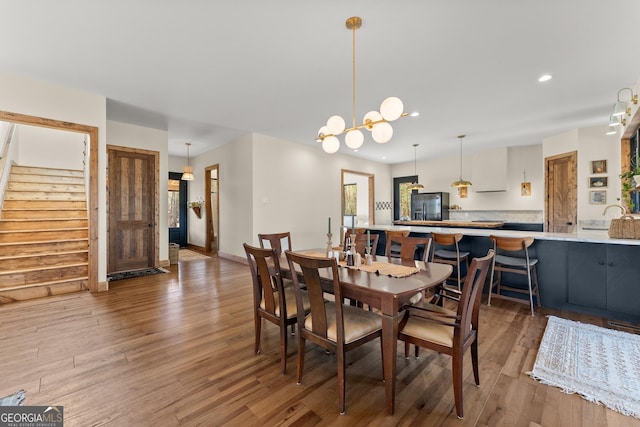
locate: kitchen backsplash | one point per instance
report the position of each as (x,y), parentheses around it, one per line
(526,216)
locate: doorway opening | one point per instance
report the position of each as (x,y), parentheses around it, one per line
(212,208)
(177,209)
(357,190)
(92,212)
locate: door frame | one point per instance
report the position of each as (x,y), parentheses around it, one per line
(92,208)
(573,166)
(156,199)
(371,184)
(207,208)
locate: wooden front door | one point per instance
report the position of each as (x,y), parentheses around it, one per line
(132,177)
(560,186)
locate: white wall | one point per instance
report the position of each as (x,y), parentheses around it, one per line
(126,135)
(34,98)
(269,185)
(591,144)
(236,194)
(438,174)
(51,148)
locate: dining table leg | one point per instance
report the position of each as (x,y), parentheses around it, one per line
(390,352)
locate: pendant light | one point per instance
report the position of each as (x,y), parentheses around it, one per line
(461,183)
(377,122)
(187,171)
(415,185)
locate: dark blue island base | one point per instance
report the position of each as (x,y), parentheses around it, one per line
(575,274)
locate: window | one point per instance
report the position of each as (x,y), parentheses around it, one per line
(402,197)
(174,203)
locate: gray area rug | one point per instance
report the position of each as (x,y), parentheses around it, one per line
(13,399)
(602,365)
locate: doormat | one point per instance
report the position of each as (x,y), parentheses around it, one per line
(188,255)
(14,399)
(599,364)
(135,273)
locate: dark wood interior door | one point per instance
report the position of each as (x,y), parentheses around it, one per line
(561,201)
(131,210)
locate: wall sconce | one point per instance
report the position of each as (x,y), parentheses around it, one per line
(617,121)
(621,107)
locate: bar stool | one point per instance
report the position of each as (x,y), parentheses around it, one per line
(512,264)
(445,250)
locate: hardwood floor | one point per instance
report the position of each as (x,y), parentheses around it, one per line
(177,349)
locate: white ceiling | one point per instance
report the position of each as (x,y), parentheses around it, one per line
(209,71)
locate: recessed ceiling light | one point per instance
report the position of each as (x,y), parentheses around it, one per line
(414,114)
(383,158)
(545,78)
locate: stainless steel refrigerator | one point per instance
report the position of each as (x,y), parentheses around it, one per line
(429,206)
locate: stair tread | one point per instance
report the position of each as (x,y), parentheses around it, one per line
(46,253)
(41,219)
(43,230)
(40,242)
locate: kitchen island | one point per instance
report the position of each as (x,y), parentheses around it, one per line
(586,272)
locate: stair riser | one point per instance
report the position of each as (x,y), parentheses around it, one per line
(43,291)
(7,225)
(47,179)
(42,235)
(44,204)
(40,214)
(41,276)
(39,248)
(36,261)
(37,195)
(31,170)
(37,186)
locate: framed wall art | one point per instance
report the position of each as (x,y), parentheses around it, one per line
(599,166)
(598,197)
(598,181)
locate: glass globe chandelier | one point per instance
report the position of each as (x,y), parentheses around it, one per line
(376,122)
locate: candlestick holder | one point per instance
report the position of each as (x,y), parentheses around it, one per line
(368,259)
(329,246)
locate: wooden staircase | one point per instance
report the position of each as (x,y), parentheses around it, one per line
(44,234)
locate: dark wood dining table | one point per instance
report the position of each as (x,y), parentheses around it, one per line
(387,294)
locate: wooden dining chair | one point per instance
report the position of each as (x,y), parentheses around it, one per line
(361,243)
(276,241)
(330,324)
(268,302)
(407,247)
(451,332)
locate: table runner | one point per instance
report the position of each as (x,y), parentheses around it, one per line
(384,268)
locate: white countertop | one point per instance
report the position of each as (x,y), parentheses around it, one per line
(587,236)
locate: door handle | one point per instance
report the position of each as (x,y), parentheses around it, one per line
(568,223)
